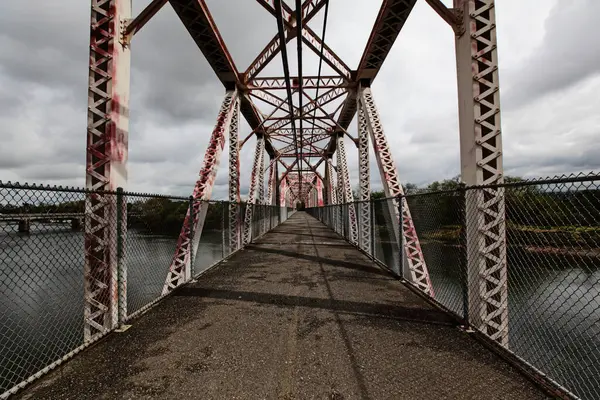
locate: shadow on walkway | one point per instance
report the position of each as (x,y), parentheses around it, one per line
(313,318)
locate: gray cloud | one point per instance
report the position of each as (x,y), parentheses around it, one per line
(549,91)
(567,54)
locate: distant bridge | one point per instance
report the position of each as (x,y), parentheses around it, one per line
(25,220)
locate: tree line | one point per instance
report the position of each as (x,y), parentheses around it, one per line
(153,215)
(549,205)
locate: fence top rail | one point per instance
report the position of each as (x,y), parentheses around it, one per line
(72,189)
(573,178)
(563,179)
(68,189)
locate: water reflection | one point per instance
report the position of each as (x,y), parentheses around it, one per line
(553,305)
(41,286)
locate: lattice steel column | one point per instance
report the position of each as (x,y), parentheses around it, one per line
(270,189)
(481,164)
(283,193)
(344,182)
(364,218)
(331,189)
(261,180)
(189,238)
(106,162)
(276,191)
(258,159)
(261,195)
(419,275)
(234,182)
(320,192)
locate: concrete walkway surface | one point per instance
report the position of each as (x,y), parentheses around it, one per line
(299,314)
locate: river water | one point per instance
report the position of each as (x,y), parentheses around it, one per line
(554,301)
(553,307)
(41,290)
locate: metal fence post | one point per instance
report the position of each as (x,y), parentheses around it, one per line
(400,236)
(223,235)
(372,229)
(463,254)
(191,228)
(121,265)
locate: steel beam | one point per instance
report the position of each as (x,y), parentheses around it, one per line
(189,238)
(481,164)
(390,21)
(106,163)
(452,16)
(322,100)
(147,13)
(308,82)
(198,21)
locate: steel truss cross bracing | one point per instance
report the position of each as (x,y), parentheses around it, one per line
(344,182)
(234,182)
(419,275)
(189,238)
(255,180)
(364,192)
(304,119)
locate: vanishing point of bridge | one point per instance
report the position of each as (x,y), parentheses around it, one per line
(293,310)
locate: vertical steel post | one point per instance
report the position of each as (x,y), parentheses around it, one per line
(364,176)
(276,185)
(121,262)
(373,223)
(223,236)
(401,257)
(106,161)
(327,183)
(463,256)
(191,213)
(481,164)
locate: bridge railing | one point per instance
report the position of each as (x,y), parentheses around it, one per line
(42,281)
(552,276)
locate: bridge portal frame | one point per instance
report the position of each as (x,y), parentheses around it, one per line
(474,25)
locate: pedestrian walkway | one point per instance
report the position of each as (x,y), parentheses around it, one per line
(299,314)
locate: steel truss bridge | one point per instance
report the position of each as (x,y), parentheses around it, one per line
(300,123)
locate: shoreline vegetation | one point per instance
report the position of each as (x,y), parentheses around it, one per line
(551,219)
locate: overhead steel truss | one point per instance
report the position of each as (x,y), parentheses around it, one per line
(303,118)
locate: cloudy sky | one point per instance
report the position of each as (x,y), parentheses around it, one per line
(549,74)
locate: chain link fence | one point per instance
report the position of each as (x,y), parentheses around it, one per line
(42,258)
(519,262)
